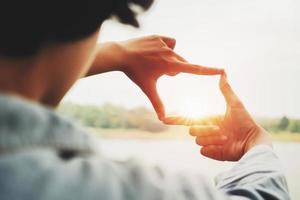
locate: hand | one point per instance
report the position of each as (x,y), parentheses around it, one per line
(146,59)
(231,136)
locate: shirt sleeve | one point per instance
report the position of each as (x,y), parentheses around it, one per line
(258,175)
(41,174)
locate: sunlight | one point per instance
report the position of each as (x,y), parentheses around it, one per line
(190,108)
(191,96)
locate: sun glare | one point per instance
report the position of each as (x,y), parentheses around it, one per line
(191,111)
(191,97)
(189,108)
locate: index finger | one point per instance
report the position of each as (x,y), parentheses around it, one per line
(197,69)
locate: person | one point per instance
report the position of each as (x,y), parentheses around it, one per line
(45,47)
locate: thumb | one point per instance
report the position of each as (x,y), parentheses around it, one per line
(151,91)
(230,97)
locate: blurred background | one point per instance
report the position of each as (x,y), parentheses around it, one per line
(256,41)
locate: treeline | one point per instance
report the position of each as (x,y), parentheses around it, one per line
(111,116)
(283,124)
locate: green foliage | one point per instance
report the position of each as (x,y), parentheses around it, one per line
(110,116)
(283,123)
(295,126)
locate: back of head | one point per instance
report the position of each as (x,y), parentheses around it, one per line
(26,26)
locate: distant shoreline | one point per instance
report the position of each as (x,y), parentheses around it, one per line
(175,133)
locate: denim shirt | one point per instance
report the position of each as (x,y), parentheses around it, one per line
(44,156)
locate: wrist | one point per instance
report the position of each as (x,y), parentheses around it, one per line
(117,56)
(110,56)
(259,136)
(122,55)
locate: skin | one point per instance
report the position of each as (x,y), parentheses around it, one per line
(46,77)
(228,137)
(68,62)
(144,60)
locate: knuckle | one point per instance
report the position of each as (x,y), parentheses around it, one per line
(168,51)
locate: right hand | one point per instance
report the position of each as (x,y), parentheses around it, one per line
(228,137)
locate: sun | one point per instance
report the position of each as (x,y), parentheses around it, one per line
(190,108)
(191,97)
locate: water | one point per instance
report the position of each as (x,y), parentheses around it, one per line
(177,155)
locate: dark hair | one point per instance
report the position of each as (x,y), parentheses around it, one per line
(27,25)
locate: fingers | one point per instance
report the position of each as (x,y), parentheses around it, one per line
(205,131)
(212,140)
(213,151)
(178,120)
(151,92)
(229,95)
(197,69)
(170,42)
(174,120)
(208,135)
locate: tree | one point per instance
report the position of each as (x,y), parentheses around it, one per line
(110,116)
(283,123)
(295,126)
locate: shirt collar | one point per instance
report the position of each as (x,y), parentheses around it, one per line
(24,124)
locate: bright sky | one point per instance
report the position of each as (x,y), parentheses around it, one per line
(257,41)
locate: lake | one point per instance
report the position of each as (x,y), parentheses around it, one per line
(178,155)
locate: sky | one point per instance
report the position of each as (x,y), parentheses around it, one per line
(256,41)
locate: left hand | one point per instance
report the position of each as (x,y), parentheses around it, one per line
(230,136)
(146,59)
